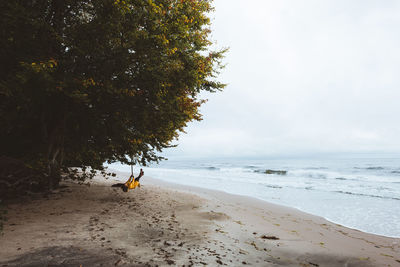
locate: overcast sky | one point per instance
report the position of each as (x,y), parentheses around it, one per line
(303,77)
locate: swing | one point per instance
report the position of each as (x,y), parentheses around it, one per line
(132,183)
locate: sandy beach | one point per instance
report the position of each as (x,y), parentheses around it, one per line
(164,224)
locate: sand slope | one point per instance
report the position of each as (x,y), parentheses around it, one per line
(165,224)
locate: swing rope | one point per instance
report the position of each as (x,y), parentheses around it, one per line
(132,165)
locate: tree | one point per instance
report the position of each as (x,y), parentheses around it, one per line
(89,81)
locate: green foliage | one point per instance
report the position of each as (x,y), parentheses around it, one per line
(89,81)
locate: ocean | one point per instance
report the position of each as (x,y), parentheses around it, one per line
(360,193)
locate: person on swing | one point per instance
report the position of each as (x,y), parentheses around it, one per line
(132,182)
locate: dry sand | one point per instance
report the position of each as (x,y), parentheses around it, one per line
(166,224)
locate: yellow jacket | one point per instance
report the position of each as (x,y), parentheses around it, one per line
(131,183)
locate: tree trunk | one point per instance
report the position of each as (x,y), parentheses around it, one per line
(54,173)
(55,154)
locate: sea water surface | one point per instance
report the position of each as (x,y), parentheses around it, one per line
(361,193)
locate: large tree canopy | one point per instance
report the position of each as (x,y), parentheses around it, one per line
(89,81)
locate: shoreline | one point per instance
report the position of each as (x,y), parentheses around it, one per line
(197,189)
(163,224)
(351,192)
(214,194)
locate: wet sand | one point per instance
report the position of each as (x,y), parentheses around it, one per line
(163,224)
